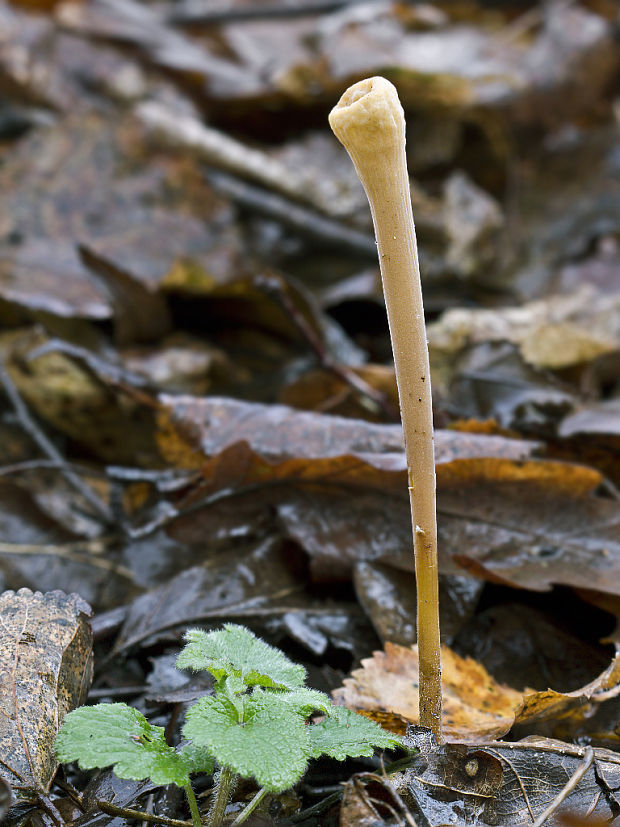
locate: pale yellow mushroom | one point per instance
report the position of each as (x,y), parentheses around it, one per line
(369,121)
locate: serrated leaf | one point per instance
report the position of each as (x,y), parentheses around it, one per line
(305,701)
(195,758)
(271,743)
(234,650)
(118,735)
(344,734)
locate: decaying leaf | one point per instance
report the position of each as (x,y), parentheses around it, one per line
(554,332)
(45,670)
(66,394)
(576,705)
(73,254)
(530,524)
(191,429)
(475,707)
(508,784)
(226,586)
(525,646)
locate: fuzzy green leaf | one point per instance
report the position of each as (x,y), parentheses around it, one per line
(196,759)
(234,650)
(118,735)
(271,743)
(304,701)
(344,734)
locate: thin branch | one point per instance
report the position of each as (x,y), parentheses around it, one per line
(48,447)
(124,812)
(195,15)
(79,552)
(567,789)
(302,220)
(377,399)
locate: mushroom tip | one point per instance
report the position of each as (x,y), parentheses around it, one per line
(369,109)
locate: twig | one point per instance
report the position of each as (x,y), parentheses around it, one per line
(343,372)
(304,221)
(567,789)
(77,551)
(223,152)
(125,812)
(52,464)
(273,11)
(318,808)
(48,447)
(48,804)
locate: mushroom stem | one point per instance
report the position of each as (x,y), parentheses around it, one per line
(369,121)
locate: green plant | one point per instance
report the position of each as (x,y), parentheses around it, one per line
(369,122)
(254,726)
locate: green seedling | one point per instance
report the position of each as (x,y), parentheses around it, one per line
(255,725)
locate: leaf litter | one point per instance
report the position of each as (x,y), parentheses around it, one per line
(162,296)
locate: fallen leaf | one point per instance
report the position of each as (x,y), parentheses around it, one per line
(552,705)
(529,524)
(491,381)
(555,332)
(70,214)
(46,668)
(387,594)
(228,585)
(475,707)
(525,646)
(68,395)
(327,392)
(510,784)
(191,429)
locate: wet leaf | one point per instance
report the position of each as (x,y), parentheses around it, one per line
(226,586)
(530,524)
(191,429)
(79,217)
(543,706)
(106,786)
(387,594)
(81,405)
(492,381)
(46,665)
(507,783)
(525,647)
(475,707)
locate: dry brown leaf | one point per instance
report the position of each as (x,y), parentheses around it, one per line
(46,666)
(192,429)
(475,706)
(555,332)
(543,706)
(509,784)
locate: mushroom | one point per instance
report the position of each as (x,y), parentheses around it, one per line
(369,121)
